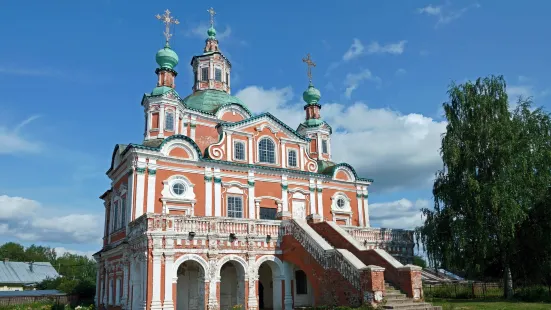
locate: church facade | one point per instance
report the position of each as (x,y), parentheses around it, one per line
(218,208)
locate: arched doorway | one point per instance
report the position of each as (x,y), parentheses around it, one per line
(304,295)
(190,289)
(270,283)
(232,285)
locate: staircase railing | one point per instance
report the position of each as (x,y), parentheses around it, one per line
(323,252)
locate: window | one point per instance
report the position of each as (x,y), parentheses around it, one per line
(235,206)
(341,203)
(169,121)
(227,78)
(292,158)
(239,150)
(116,215)
(324,146)
(301,284)
(204,74)
(218,75)
(268,213)
(178,188)
(123,211)
(266,151)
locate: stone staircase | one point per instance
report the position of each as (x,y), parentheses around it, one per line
(397,300)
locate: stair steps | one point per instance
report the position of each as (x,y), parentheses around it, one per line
(395,299)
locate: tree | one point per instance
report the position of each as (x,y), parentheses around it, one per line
(36,253)
(12,251)
(496,166)
(419,261)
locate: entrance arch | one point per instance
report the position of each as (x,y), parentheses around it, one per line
(190,272)
(270,275)
(231,270)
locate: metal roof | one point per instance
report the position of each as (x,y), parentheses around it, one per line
(26,273)
(30,293)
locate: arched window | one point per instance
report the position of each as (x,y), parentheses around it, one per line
(302,286)
(266,151)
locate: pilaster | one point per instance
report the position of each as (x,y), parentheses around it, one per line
(151,178)
(129,198)
(192,126)
(217,193)
(162,122)
(140,187)
(366,207)
(251,198)
(156,296)
(250,150)
(302,157)
(359,199)
(288,297)
(252,301)
(124,299)
(320,199)
(312,196)
(168,304)
(208,191)
(229,148)
(283,155)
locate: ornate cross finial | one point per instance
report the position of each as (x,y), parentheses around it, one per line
(167,20)
(212,12)
(310,64)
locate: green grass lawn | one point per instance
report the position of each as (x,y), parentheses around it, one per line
(449,304)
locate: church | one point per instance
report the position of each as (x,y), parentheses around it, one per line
(218,208)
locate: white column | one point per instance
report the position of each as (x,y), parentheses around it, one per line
(366,208)
(252,212)
(192,127)
(124,280)
(318,137)
(329,148)
(251,150)
(99,289)
(140,188)
(148,125)
(283,157)
(162,121)
(228,147)
(360,209)
(156,296)
(208,191)
(151,177)
(302,157)
(320,200)
(288,299)
(168,303)
(214,280)
(277,292)
(129,198)
(177,122)
(217,193)
(312,188)
(284,193)
(253,277)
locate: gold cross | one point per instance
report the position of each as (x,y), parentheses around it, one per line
(212,12)
(167,20)
(310,64)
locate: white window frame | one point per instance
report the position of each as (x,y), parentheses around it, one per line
(221,74)
(203,78)
(235,142)
(240,197)
(276,151)
(289,150)
(324,146)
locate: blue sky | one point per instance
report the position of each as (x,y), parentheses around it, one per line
(72,74)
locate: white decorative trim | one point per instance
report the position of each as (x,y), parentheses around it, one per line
(349,173)
(297,157)
(271,258)
(276,150)
(242,142)
(193,257)
(228,258)
(193,155)
(234,108)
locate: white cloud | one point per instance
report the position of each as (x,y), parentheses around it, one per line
(445,15)
(391,48)
(402,213)
(355,50)
(201,31)
(398,151)
(401,72)
(353,80)
(27,220)
(12,141)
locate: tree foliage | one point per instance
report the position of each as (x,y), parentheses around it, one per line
(77,272)
(495,177)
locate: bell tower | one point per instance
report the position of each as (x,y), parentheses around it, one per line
(211,69)
(313,126)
